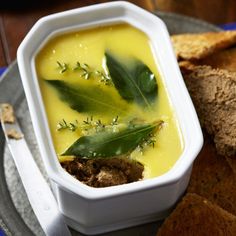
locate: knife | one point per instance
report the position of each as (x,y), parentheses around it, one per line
(39,194)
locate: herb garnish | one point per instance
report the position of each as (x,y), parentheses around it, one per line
(62,125)
(87,125)
(62,66)
(98,125)
(150,140)
(136,83)
(115,121)
(105,78)
(88,120)
(86,72)
(84,68)
(88,99)
(109,144)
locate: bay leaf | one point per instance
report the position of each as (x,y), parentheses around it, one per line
(109,144)
(135,83)
(88,99)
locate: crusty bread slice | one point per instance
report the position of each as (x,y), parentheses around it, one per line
(225,59)
(232,162)
(213,178)
(196,216)
(198,46)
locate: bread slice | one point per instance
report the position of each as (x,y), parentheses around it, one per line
(232,162)
(213,178)
(198,46)
(196,216)
(225,59)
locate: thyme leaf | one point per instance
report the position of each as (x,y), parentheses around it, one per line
(62,125)
(62,66)
(104,78)
(84,69)
(115,121)
(88,120)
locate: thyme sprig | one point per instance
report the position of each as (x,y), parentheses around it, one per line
(62,125)
(62,66)
(90,124)
(87,125)
(86,72)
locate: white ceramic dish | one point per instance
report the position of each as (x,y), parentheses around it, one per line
(96,210)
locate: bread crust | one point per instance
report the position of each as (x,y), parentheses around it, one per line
(197,46)
(213,178)
(197,216)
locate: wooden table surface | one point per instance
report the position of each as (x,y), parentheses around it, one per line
(17,19)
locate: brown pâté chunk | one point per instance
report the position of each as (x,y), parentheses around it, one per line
(104,172)
(7,113)
(213,92)
(198,46)
(213,178)
(197,216)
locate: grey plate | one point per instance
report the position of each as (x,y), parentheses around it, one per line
(16,215)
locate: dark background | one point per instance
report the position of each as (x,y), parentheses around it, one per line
(18,16)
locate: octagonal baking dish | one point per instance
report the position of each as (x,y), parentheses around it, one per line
(96,210)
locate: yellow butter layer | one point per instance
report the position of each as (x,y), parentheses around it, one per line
(88,47)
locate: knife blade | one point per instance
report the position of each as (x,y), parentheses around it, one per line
(38,191)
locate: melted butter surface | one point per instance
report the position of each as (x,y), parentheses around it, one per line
(88,47)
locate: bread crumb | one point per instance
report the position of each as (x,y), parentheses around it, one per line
(13,134)
(7,113)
